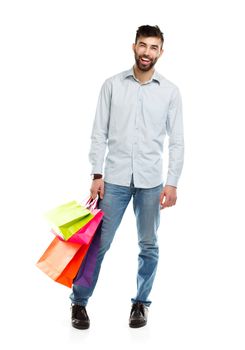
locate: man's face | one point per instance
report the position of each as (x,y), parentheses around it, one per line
(146,52)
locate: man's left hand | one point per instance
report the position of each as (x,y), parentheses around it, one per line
(168,196)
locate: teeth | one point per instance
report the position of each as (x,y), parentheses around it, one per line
(145,59)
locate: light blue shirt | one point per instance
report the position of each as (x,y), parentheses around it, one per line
(132,119)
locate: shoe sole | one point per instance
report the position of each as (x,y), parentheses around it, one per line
(131,325)
(80,327)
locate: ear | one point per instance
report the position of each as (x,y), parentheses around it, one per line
(161,52)
(133,47)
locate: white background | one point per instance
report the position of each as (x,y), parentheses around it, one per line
(55,56)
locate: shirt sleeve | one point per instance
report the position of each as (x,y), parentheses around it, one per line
(176,139)
(99,134)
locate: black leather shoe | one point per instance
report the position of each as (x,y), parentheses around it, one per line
(138,315)
(79,317)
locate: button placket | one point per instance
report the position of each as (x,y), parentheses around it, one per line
(136,131)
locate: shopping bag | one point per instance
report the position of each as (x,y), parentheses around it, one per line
(85,234)
(68,218)
(61,260)
(85,273)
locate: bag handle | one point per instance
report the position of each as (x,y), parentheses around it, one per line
(92,203)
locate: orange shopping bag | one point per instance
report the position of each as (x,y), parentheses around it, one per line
(61,260)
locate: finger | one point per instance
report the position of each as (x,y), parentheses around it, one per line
(102,192)
(93,194)
(173,201)
(161,198)
(101,195)
(167,202)
(164,204)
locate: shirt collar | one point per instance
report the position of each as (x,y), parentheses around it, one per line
(130,73)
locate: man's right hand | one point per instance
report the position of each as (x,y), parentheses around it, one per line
(97,188)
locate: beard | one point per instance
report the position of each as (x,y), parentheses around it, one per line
(144,67)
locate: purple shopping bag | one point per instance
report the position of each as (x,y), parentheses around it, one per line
(85,273)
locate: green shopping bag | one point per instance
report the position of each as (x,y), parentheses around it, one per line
(68,218)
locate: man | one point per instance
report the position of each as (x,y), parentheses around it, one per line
(135,110)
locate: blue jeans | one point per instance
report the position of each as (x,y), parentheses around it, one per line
(147,212)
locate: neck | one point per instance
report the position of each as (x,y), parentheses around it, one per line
(141,75)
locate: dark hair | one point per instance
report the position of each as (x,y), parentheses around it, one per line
(147,31)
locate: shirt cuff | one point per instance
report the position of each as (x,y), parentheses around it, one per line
(172,180)
(96,170)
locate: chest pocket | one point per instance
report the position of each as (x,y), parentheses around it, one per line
(154,112)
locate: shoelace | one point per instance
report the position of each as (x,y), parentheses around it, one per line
(79,309)
(138,308)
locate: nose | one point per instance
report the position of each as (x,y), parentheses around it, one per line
(147,51)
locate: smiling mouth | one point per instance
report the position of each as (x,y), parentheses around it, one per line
(145,61)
